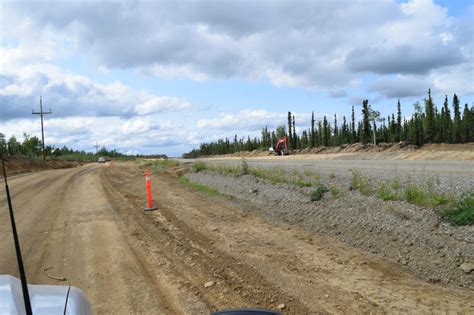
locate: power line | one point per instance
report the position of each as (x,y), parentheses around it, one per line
(41,113)
(96,147)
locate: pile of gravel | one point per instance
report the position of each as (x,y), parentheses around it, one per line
(412,236)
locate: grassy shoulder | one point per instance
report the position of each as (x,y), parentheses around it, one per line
(198,187)
(275,176)
(456,211)
(461,212)
(157,165)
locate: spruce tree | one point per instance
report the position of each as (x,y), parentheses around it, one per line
(354,133)
(294,137)
(274,138)
(466,125)
(393,129)
(325,132)
(438,138)
(290,138)
(312,134)
(344,131)
(365,134)
(399,122)
(471,133)
(442,130)
(320,134)
(3,144)
(405,130)
(447,123)
(336,132)
(304,140)
(457,120)
(417,134)
(429,121)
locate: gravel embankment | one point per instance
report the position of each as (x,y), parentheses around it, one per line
(410,235)
(449,177)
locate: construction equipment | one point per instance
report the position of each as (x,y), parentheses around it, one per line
(281,147)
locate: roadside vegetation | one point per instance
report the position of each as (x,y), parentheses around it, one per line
(273,175)
(198,187)
(158,164)
(428,124)
(458,211)
(461,212)
(318,193)
(30,147)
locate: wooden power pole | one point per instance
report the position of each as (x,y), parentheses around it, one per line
(41,113)
(96,148)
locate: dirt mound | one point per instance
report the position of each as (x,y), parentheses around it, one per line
(19,165)
(382,151)
(402,146)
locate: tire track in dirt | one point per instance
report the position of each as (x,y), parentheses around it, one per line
(192,260)
(215,240)
(73,229)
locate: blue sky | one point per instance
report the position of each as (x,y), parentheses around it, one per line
(162,77)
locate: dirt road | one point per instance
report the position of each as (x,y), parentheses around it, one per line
(66,222)
(198,253)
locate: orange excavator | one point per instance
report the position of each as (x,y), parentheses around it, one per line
(281,147)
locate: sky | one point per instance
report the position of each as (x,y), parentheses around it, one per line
(164,76)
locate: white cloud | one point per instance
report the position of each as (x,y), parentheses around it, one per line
(321,46)
(72,94)
(161,103)
(249,120)
(316,45)
(125,134)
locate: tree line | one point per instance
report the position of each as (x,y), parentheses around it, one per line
(427,124)
(31,147)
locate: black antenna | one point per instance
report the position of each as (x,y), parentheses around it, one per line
(24,283)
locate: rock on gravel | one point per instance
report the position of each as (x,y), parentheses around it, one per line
(467,267)
(209,284)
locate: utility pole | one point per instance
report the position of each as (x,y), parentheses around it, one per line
(96,148)
(41,113)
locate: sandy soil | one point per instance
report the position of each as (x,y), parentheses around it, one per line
(383,151)
(88,224)
(20,165)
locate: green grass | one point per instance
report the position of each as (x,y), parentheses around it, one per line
(301,182)
(334,190)
(312,174)
(361,183)
(425,197)
(227,170)
(396,185)
(244,166)
(199,166)
(198,187)
(274,175)
(461,212)
(157,165)
(385,193)
(318,193)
